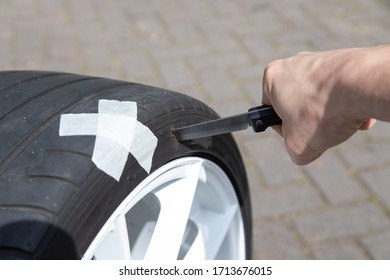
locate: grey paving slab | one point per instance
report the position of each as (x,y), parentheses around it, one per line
(378,181)
(285,200)
(221,60)
(176,74)
(344,250)
(381,131)
(273,162)
(335,180)
(275,241)
(378,245)
(366,155)
(341,222)
(220,81)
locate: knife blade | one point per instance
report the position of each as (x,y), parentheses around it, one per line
(259,118)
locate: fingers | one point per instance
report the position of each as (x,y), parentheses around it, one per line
(306,157)
(265,100)
(278,129)
(271,71)
(305,160)
(367,124)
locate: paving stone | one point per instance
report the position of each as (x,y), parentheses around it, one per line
(267,151)
(261,19)
(5,12)
(253,89)
(339,21)
(220,39)
(341,222)
(148,26)
(50,8)
(252,72)
(173,52)
(136,65)
(295,20)
(343,250)
(190,11)
(221,61)
(98,56)
(285,200)
(380,131)
(274,241)
(378,245)
(334,180)
(114,20)
(255,181)
(184,33)
(366,155)
(378,182)
(81,34)
(80,12)
(63,44)
(358,139)
(223,8)
(219,83)
(176,74)
(28,36)
(6,62)
(23,8)
(144,7)
(297,41)
(261,48)
(229,109)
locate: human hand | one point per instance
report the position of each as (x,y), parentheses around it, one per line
(313,97)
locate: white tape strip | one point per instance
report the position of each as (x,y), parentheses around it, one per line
(118,133)
(144,141)
(78,124)
(116,121)
(115,133)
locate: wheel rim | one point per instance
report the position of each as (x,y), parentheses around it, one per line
(187,209)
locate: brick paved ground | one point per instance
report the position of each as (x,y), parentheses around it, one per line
(215,50)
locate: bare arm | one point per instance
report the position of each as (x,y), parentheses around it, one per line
(324,98)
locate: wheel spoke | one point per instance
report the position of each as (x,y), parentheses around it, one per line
(116,245)
(176,201)
(197,250)
(214,227)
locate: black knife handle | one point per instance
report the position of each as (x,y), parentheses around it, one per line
(262,117)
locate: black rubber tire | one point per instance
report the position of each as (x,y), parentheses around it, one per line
(53,199)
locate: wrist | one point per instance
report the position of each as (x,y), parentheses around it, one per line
(366,82)
(352,90)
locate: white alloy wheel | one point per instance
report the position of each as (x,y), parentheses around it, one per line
(186,209)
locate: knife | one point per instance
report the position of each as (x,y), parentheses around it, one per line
(259,118)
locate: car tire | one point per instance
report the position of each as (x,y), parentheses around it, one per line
(58,202)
